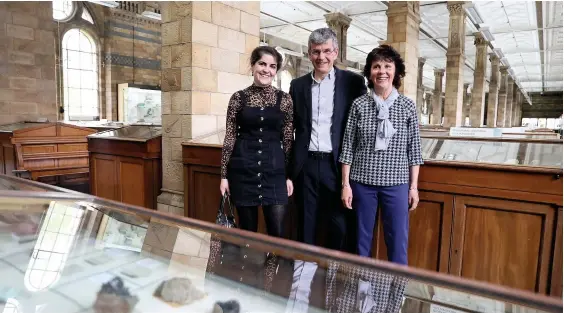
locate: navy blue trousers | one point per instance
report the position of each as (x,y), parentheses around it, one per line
(393,201)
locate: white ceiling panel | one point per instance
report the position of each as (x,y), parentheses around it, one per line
(292,11)
(357,36)
(377,21)
(267,21)
(355,55)
(313,25)
(289,32)
(521,14)
(354,7)
(434,17)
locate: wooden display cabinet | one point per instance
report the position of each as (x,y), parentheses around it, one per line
(490,209)
(126,164)
(54,153)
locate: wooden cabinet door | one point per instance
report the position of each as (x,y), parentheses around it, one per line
(202,195)
(429,233)
(103,177)
(503,242)
(556,280)
(131,180)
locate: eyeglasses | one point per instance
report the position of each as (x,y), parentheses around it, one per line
(324,52)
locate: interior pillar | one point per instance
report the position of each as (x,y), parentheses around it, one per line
(420,90)
(502,97)
(339,23)
(477,107)
(493,91)
(437,95)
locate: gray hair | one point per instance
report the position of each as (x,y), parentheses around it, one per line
(321,36)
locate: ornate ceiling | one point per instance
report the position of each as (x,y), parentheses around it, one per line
(528,33)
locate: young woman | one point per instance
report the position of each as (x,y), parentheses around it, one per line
(258,139)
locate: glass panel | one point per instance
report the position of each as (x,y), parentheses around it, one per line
(511,152)
(21,125)
(85,254)
(70,40)
(215,138)
(86,16)
(87,80)
(139,132)
(62,9)
(73,59)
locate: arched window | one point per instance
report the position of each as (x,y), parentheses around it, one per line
(62,9)
(53,245)
(80,76)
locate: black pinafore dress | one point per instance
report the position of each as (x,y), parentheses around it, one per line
(256,170)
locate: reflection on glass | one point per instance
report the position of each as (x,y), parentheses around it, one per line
(53,245)
(10,306)
(180,268)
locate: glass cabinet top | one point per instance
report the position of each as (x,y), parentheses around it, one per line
(20,125)
(130,133)
(503,151)
(213,139)
(78,253)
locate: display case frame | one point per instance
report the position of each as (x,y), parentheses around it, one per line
(296,251)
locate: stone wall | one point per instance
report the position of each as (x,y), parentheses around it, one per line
(547,105)
(132,54)
(27,62)
(206,48)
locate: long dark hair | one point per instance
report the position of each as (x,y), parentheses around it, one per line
(389,54)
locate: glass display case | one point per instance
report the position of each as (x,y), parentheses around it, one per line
(139,133)
(77,253)
(10,128)
(508,151)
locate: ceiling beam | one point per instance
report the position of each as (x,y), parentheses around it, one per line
(540,24)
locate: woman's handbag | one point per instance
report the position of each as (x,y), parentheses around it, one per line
(225,220)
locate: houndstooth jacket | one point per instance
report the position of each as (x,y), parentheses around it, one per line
(388,167)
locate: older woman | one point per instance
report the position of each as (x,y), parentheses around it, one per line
(381,155)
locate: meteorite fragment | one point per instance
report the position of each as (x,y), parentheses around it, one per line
(179,290)
(113,297)
(231,306)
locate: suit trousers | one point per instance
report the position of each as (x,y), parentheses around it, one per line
(318,197)
(393,201)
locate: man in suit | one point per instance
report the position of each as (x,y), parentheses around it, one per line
(321,100)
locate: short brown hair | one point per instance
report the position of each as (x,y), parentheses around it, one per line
(386,53)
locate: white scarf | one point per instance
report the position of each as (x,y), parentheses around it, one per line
(385,130)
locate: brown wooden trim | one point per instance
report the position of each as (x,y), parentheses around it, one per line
(556,268)
(49,140)
(496,167)
(55,155)
(197,145)
(495,193)
(497,139)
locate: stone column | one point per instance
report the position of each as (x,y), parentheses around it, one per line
(420,90)
(437,94)
(518,100)
(479,86)
(339,23)
(428,106)
(455,64)
(493,91)
(466,100)
(502,97)
(403,35)
(509,104)
(205,54)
